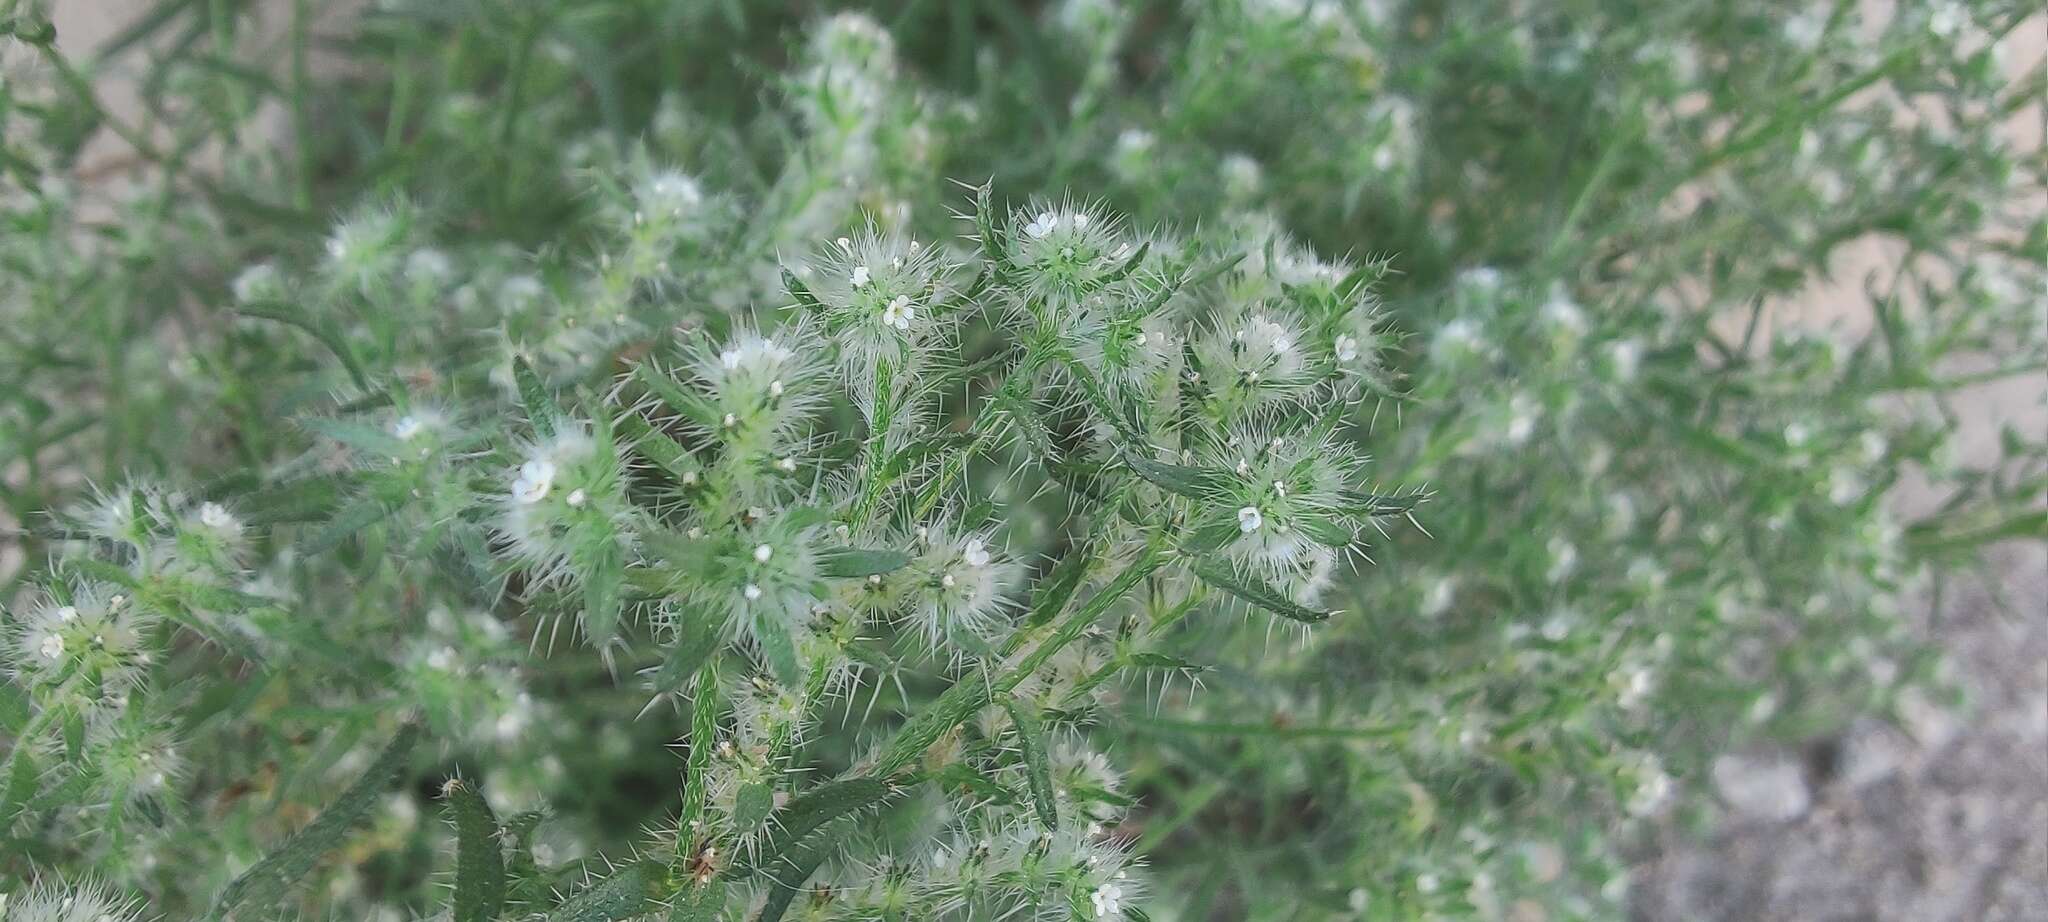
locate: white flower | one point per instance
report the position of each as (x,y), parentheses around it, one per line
(442,660)
(975,553)
(1108,900)
(1045,224)
(860,276)
(577,498)
(899,313)
(215,516)
(52,646)
(751,591)
(762,552)
(407,428)
(536,478)
(1347,347)
(1249,520)
(729,359)
(67,613)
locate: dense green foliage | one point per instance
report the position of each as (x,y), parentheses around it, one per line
(1106,459)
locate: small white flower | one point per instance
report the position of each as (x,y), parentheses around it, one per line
(1043,225)
(751,591)
(577,498)
(408,428)
(1080,221)
(786,465)
(860,276)
(536,478)
(775,388)
(1249,520)
(215,516)
(730,358)
(442,659)
(899,313)
(68,613)
(52,647)
(762,552)
(947,581)
(1347,347)
(1108,900)
(975,553)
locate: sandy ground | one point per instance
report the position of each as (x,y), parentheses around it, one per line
(1942,817)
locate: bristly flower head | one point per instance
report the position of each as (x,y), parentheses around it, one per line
(87,641)
(563,504)
(87,902)
(881,298)
(1063,252)
(958,583)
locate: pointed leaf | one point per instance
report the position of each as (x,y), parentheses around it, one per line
(541,409)
(1037,769)
(857,563)
(479,855)
(252,895)
(1254,591)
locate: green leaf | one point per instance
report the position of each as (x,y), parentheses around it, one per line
(252,895)
(279,313)
(698,904)
(541,409)
(703,736)
(778,649)
(801,292)
(1255,591)
(626,894)
(1325,531)
(1164,661)
(360,513)
(479,856)
(1053,592)
(22,782)
(1037,769)
(603,582)
(697,639)
(811,811)
(362,437)
(857,562)
(1196,483)
(792,868)
(656,446)
(1371,504)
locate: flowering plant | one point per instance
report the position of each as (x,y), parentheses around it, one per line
(666,473)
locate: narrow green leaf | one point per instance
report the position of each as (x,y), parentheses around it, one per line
(1057,588)
(1326,531)
(655,445)
(786,876)
(479,855)
(857,563)
(703,736)
(541,409)
(801,292)
(778,649)
(252,895)
(626,894)
(279,313)
(22,782)
(360,513)
(1196,483)
(362,437)
(697,639)
(603,584)
(811,811)
(698,903)
(1037,769)
(1254,591)
(1164,661)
